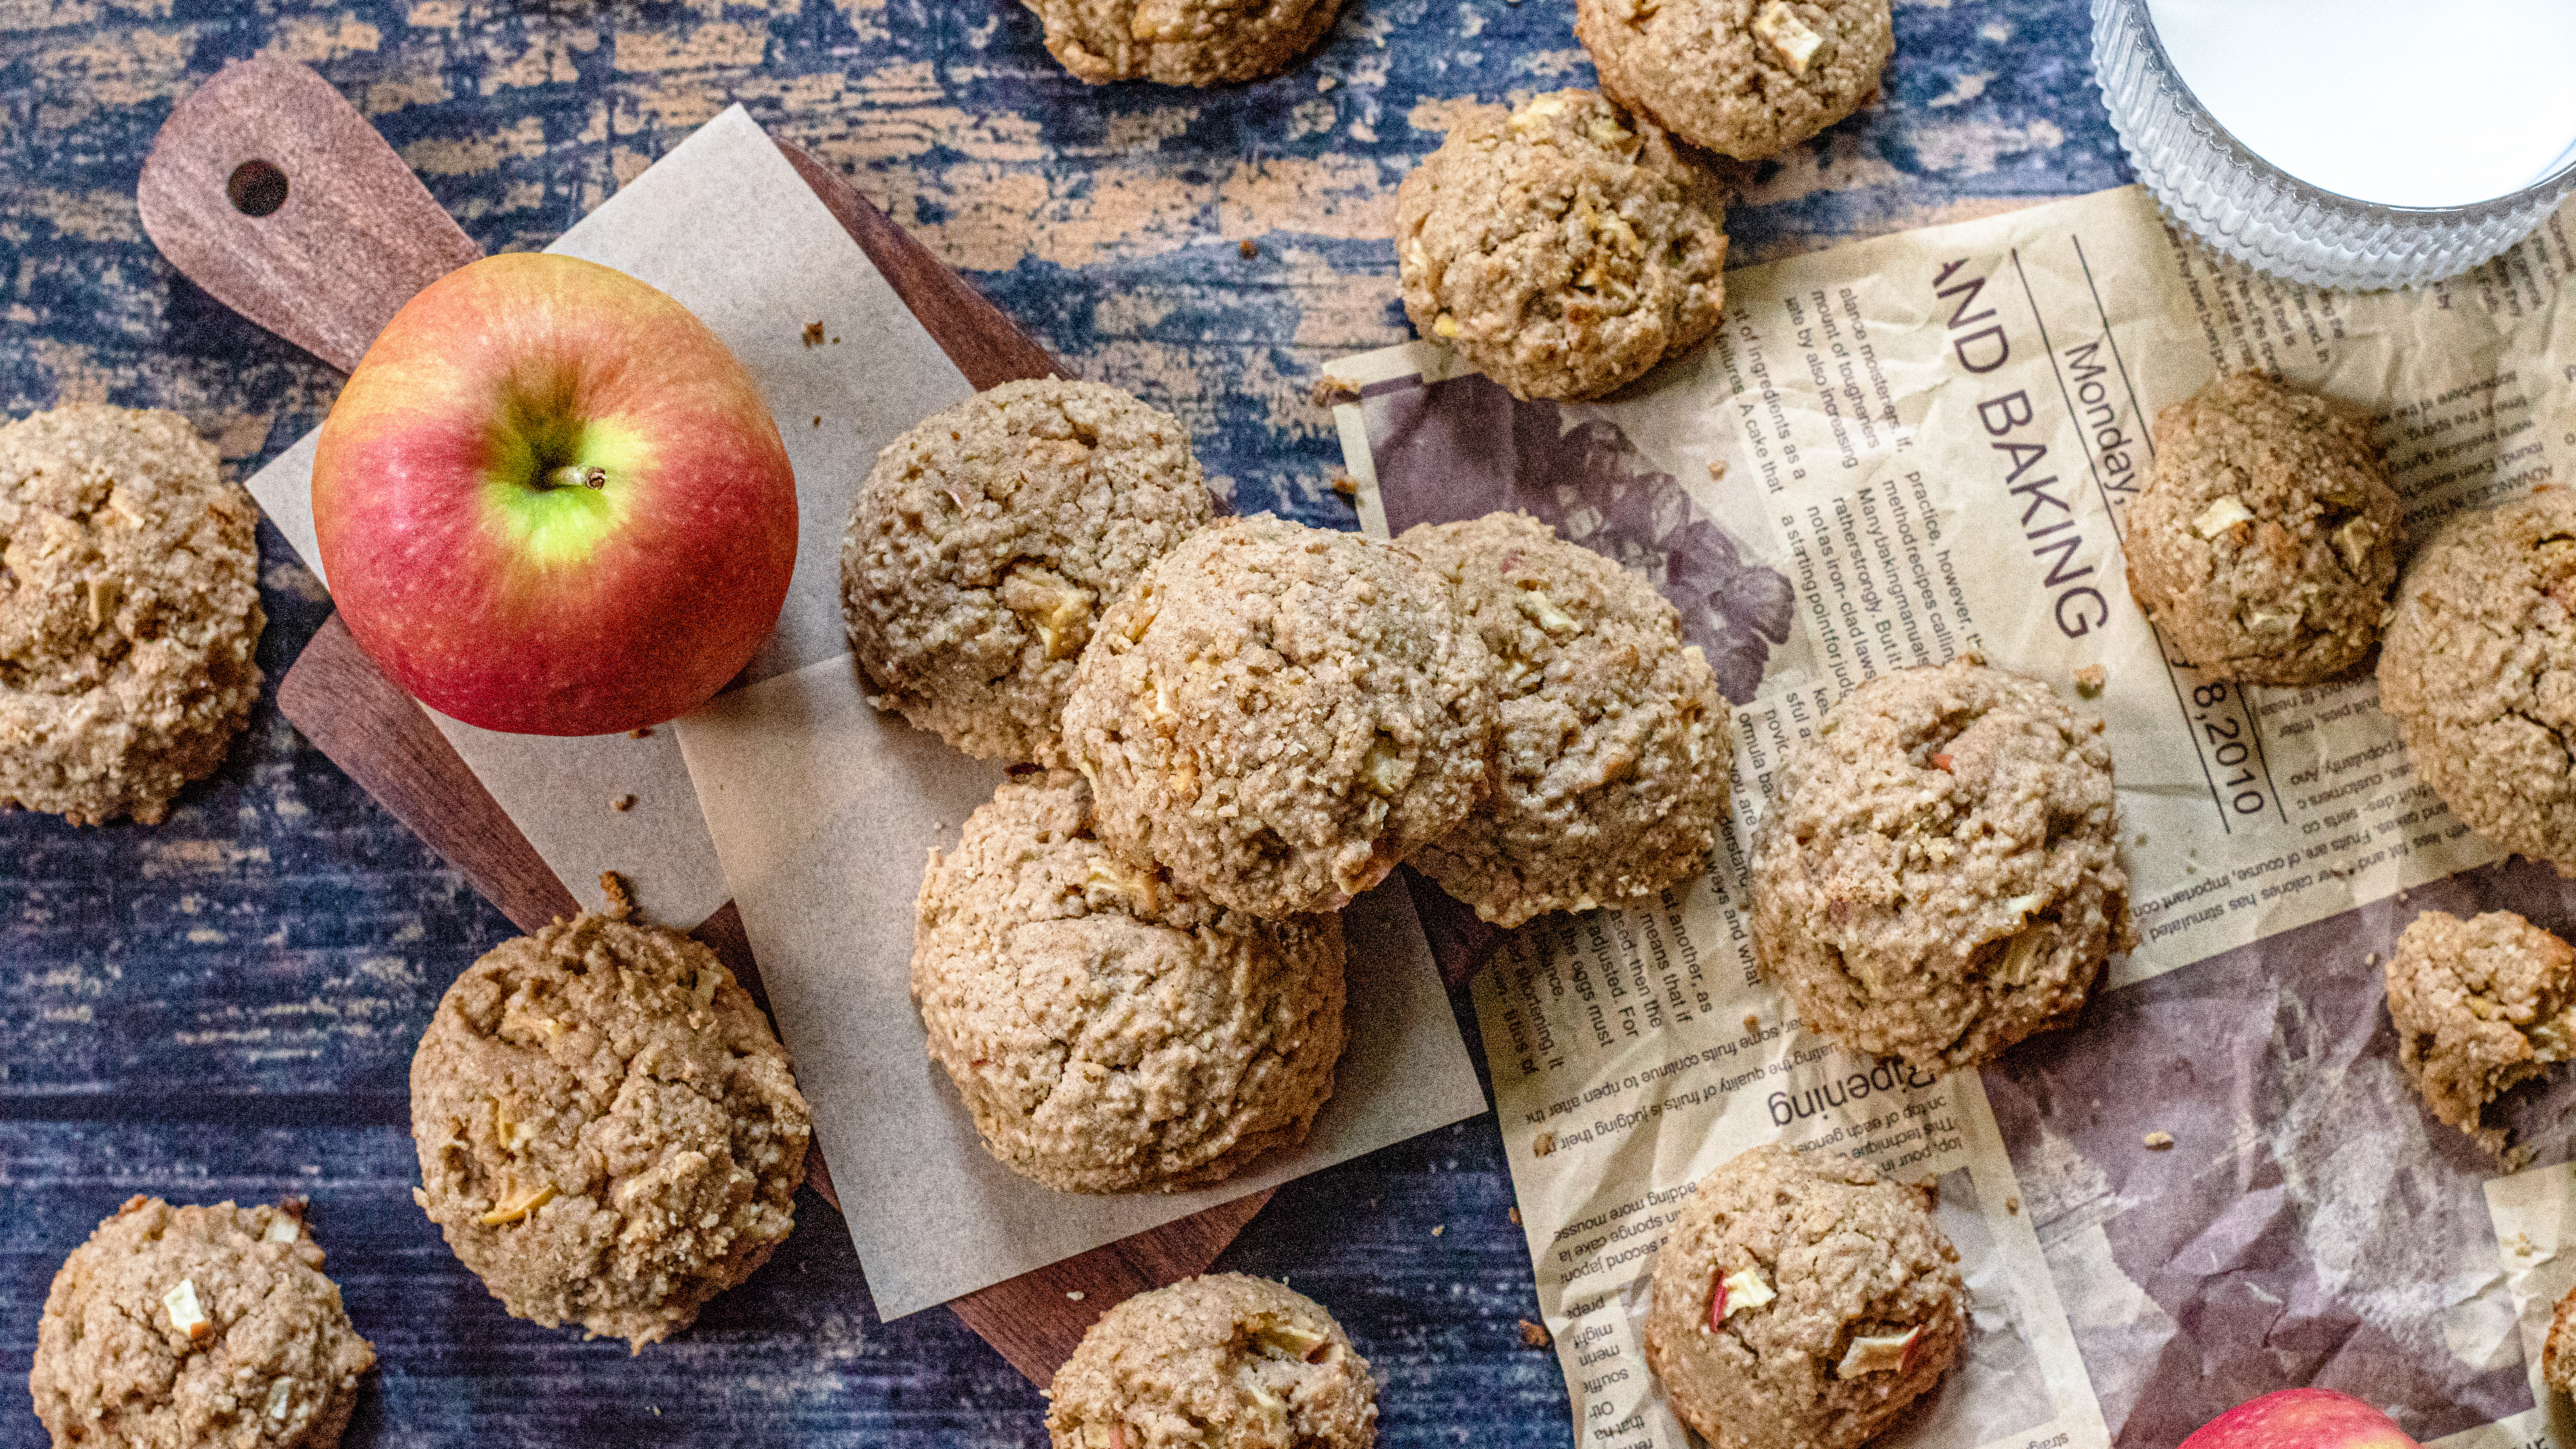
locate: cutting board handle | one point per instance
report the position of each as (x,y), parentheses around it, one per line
(269,190)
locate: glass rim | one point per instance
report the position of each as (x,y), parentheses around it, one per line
(2547,189)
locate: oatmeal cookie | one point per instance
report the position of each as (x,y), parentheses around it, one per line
(129,612)
(1745,78)
(1802,1302)
(1614,742)
(1224,1359)
(2479,670)
(2265,542)
(1181,42)
(988,539)
(2480,1005)
(178,1326)
(1564,250)
(1110,1033)
(2558,1352)
(607,1128)
(1278,714)
(1936,877)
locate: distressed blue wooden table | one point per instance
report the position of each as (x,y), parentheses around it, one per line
(224,1006)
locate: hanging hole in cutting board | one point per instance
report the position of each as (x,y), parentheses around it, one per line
(256,188)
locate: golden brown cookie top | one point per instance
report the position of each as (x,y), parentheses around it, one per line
(1801,1302)
(2479,671)
(1746,78)
(1278,714)
(1181,42)
(196,1325)
(608,1130)
(1936,876)
(1225,1359)
(1563,249)
(2265,541)
(987,541)
(2479,1005)
(129,611)
(1614,744)
(1109,1032)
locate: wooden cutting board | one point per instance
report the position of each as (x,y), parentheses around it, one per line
(269,190)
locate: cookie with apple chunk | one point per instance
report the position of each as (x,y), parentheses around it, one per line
(2480,1006)
(2558,1353)
(1802,1302)
(609,1132)
(988,539)
(196,1325)
(129,612)
(1224,1359)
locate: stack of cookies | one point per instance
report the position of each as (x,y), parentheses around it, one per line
(1225,730)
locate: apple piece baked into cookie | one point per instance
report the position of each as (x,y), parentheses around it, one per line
(1937,875)
(1277,715)
(2265,542)
(2480,1005)
(197,1325)
(989,539)
(1614,742)
(1225,1359)
(129,612)
(1564,249)
(1802,1302)
(608,1130)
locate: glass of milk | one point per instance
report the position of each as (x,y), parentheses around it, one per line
(2349,143)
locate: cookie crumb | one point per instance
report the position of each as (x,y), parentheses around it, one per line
(1514,1214)
(2089,681)
(1346,485)
(2522,1247)
(813,336)
(1752,1022)
(2012,1205)
(621,895)
(1330,390)
(2141,840)
(1075,1295)
(644,732)
(1717,470)
(1533,1335)
(1543,1144)
(1249,247)
(818,420)
(2159,1141)
(1438,1228)
(621,803)
(2370,959)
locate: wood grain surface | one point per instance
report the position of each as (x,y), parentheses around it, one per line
(225,1005)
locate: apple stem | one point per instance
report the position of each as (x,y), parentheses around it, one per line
(574,475)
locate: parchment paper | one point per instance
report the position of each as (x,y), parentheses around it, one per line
(725,226)
(1919,446)
(825,810)
(821,810)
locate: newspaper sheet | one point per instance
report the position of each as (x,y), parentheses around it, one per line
(1923,445)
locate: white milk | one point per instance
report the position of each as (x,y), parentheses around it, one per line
(2399,102)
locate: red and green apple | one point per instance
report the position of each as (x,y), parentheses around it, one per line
(551,501)
(2301,1419)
